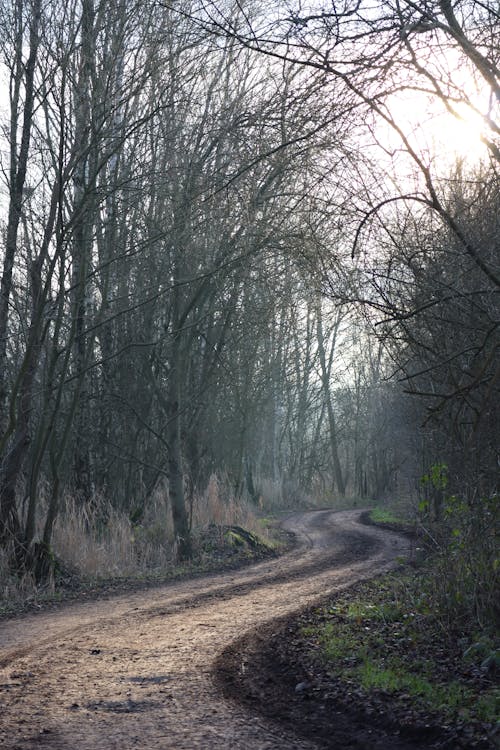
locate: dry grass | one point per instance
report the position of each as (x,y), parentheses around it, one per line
(217,505)
(281,495)
(100,541)
(104,543)
(16,589)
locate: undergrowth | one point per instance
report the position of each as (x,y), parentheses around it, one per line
(386,637)
(102,542)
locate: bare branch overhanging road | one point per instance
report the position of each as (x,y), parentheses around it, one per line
(134,671)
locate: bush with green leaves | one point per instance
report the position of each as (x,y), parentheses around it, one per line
(464,532)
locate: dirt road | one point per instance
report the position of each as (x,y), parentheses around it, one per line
(134,671)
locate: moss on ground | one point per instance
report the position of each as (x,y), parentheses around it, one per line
(385,515)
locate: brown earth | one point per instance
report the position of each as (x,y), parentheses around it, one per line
(137,670)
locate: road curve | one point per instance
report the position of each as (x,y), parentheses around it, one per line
(134,671)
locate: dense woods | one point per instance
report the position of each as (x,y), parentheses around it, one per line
(230,249)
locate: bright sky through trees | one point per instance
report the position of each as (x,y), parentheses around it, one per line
(441,135)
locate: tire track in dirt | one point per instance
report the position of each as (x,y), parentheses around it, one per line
(135,670)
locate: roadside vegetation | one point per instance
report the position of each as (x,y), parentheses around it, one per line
(105,549)
(420,646)
(385,637)
(383,515)
(385,645)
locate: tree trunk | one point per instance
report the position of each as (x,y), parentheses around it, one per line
(82,242)
(325,379)
(175,471)
(17,179)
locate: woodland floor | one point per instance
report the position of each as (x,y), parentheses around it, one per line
(279,672)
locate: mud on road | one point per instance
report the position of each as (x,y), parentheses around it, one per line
(136,670)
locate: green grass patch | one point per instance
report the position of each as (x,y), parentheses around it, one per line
(384,515)
(453,699)
(382,637)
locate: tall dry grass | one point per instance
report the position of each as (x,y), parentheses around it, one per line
(103,543)
(107,544)
(14,588)
(276,494)
(218,505)
(99,541)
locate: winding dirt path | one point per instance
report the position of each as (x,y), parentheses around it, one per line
(134,671)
